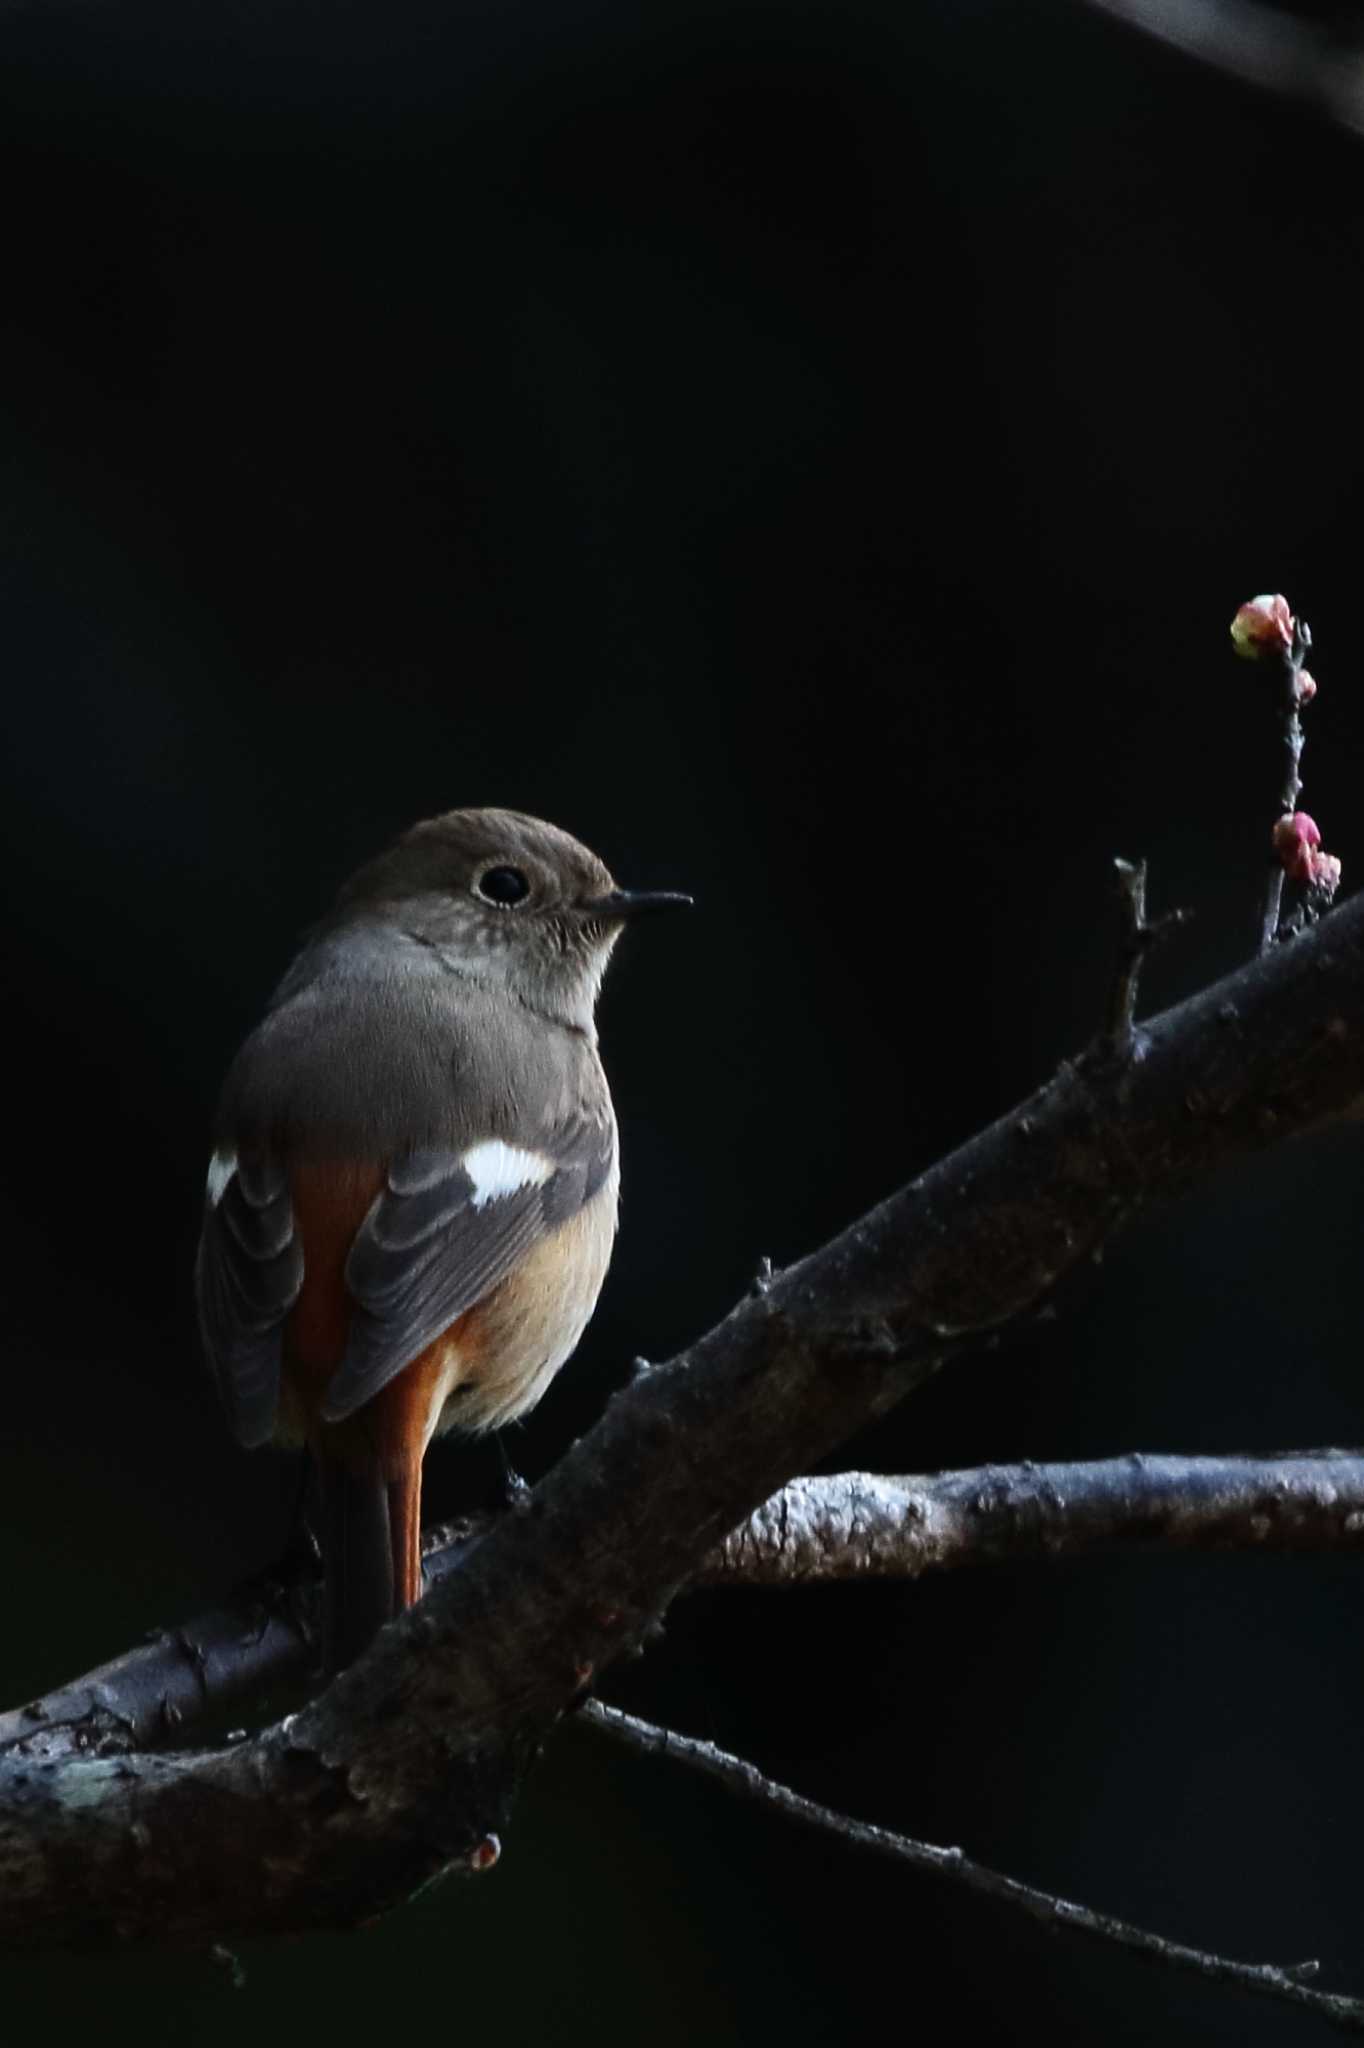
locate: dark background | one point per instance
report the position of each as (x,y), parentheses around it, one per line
(812,452)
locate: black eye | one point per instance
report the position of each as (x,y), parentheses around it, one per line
(503,885)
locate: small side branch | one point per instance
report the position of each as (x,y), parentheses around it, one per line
(1287,670)
(1289,1983)
(1137,937)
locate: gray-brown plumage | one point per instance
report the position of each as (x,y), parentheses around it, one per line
(412,1202)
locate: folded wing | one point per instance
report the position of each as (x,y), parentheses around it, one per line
(447,1228)
(444,1230)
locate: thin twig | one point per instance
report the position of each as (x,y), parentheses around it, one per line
(1291,736)
(1136,942)
(1284,1982)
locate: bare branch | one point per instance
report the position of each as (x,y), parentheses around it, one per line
(263,1636)
(1259,45)
(860,1525)
(1285,1982)
(827,1531)
(408,1763)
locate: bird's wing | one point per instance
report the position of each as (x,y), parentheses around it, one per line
(442,1233)
(247,1277)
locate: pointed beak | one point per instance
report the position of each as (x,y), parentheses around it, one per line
(623,903)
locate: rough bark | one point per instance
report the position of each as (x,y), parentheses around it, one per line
(863,1525)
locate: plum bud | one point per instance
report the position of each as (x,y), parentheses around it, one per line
(1264,626)
(1296,840)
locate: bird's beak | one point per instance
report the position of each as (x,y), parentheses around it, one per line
(623,903)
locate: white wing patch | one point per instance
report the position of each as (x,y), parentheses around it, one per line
(221,1168)
(497,1169)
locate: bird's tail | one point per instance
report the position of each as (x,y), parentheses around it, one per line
(357,1559)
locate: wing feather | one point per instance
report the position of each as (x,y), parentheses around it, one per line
(436,1241)
(247,1278)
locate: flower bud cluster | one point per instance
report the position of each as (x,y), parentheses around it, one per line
(1265,630)
(1297,841)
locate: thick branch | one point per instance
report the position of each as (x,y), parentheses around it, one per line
(849,1525)
(409,1760)
(1288,1983)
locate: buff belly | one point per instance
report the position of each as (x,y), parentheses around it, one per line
(497,1362)
(490,1366)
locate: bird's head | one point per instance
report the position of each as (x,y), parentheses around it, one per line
(507,899)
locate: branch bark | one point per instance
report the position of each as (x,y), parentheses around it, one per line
(828,1531)
(408,1764)
(860,1525)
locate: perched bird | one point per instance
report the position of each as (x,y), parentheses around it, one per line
(412,1200)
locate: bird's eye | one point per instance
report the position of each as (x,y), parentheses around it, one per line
(502,885)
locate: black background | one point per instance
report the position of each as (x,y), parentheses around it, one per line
(812,452)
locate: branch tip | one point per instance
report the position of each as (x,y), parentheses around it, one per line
(746,1781)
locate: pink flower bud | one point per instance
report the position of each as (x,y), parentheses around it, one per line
(1264,626)
(1304,687)
(1296,839)
(1324,872)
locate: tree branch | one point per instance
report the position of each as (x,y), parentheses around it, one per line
(860,1525)
(409,1762)
(848,1526)
(1259,45)
(1285,1982)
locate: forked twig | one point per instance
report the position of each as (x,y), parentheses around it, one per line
(1138,937)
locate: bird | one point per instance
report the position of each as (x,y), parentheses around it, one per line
(412,1197)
